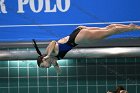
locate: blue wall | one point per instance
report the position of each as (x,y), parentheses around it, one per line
(79,11)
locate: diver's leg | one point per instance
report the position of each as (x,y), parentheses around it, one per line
(119,28)
(113,25)
(103,33)
(86,35)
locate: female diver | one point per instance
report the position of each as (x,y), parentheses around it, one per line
(56,50)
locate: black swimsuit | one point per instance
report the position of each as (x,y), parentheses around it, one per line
(64,48)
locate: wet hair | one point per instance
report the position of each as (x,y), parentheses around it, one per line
(40,57)
(39,60)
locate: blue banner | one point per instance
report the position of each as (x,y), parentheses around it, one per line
(23,20)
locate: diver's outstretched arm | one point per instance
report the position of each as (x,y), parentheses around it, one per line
(50,48)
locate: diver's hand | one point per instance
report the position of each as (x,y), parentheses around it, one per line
(46,62)
(46,57)
(51,61)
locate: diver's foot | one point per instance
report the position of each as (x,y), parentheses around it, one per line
(134,26)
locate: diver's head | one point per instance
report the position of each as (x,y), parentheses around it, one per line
(44,62)
(40,60)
